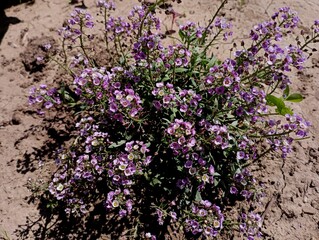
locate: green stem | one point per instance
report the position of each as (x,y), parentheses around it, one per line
(121,50)
(151,8)
(271,135)
(62,66)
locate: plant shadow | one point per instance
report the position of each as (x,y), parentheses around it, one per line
(52,222)
(56,225)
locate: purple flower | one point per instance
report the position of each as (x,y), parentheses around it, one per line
(122,213)
(48,104)
(240,155)
(220,90)
(211,170)
(188,164)
(233,190)
(89,24)
(218,140)
(178,62)
(157,105)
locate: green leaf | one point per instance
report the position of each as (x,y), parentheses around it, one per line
(286,110)
(286,92)
(165,78)
(198,196)
(212,62)
(181,34)
(117,144)
(193,82)
(180,70)
(155,181)
(216,182)
(295,97)
(274,101)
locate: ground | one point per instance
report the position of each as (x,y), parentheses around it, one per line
(292,201)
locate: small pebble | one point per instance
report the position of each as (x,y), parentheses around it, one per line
(315,203)
(309,210)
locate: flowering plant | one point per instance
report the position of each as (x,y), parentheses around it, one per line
(166,133)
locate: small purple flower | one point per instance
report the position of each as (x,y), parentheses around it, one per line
(233,190)
(48,104)
(122,213)
(218,140)
(240,155)
(89,24)
(220,90)
(178,62)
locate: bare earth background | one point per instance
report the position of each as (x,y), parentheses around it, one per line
(293,185)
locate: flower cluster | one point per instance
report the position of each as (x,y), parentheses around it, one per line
(44,97)
(108,5)
(244,185)
(207,218)
(82,165)
(182,134)
(98,88)
(250,225)
(143,20)
(74,28)
(122,170)
(125,102)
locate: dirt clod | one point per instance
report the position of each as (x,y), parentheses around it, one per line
(309,210)
(16,119)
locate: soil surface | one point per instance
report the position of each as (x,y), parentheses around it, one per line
(292,201)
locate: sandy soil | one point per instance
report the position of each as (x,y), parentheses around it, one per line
(292,200)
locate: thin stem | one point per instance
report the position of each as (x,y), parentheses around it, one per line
(274,89)
(82,44)
(257,159)
(64,52)
(309,41)
(150,8)
(212,20)
(105,33)
(150,73)
(121,49)
(270,135)
(208,45)
(174,73)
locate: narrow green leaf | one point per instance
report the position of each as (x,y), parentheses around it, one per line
(212,62)
(180,168)
(117,144)
(180,70)
(286,92)
(181,35)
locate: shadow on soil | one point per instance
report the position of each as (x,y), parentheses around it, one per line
(6,21)
(55,225)
(53,222)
